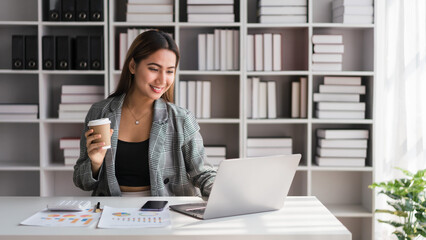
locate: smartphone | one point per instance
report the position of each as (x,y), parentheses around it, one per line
(154,206)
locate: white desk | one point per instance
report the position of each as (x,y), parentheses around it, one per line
(301,218)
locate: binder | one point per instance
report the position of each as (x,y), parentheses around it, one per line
(82,10)
(63,53)
(68,10)
(48,46)
(96,10)
(18,52)
(31,48)
(54,12)
(82,53)
(96,53)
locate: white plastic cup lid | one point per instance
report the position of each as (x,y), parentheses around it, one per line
(98,122)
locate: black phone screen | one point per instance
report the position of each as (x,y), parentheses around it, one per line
(154,206)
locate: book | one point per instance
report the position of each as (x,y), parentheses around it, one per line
(342,143)
(18,116)
(342,89)
(249,95)
(353,10)
(339,3)
(329,48)
(210,52)
(327,39)
(303,97)
(331,80)
(19,108)
(207,9)
(282,19)
(149,17)
(258,52)
(166,2)
(342,152)
(268,151)
(339,162)
(69,143)
(183,85)
(340,114)
(281,3)
(354,19)
(283,10)
(272,99)
(79,107)
(202,50)
(326,66)
(81,98)
(229,49)
(213,17)
(342,133)
(206,99)
(82,89)
(72,152)
(327,58)
(336,97)
(70,160)
(263,100)
(295,99)
(250,52)
(255,97)
(210,2)
(122,50)
(276,52)
(192,96)
(236,46)
(149,8)
(356,106)
(223,48)
(199,99)
(215,151)
(267,52)
(217,49)
(270,142)
(72,114)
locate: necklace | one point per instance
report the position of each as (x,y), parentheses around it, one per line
(136,120)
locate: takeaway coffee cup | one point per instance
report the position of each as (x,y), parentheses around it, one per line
(101,126)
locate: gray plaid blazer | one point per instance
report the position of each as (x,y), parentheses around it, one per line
(176,153)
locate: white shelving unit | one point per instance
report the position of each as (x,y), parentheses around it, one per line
(32,163)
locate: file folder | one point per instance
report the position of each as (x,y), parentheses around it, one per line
(96,53)
(63,53)
(31,56)
(17,52)
(48,46)
(96,10)
(82,10)
(82,53)
(68,10)
(54,12)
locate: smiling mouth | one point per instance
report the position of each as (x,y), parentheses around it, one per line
(156,89)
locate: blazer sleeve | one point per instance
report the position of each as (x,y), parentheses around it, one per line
(201,175)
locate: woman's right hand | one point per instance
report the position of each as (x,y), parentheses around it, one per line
(94,150)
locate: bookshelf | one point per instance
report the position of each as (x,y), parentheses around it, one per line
(33,163)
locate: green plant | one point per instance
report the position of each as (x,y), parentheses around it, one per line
(408,203)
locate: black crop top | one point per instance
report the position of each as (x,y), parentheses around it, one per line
(131,163)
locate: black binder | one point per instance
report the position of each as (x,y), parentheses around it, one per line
(18,52)
(82,53)
(63,53)
(54,12)
(96,53)
(48,45)
(96,10)
(82,10)
(31,55)
(68,10)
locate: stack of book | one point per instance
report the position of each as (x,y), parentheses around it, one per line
(282,11)
(71,147)
(353,11)
(196,97)
(261,98)
(215,154)
(219,50)
(342,147)
(299,98)
(210,11)
(149,11)
(76,100)
(262,147)
(18,111)
(340,98)
(264,52)
(328,50)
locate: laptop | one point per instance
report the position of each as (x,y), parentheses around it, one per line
(246,185)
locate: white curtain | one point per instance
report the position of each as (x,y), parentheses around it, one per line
(400,109)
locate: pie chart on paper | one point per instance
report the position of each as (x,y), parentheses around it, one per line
(121,214)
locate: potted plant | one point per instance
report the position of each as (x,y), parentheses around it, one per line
(407,202)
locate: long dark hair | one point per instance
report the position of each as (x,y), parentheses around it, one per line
(142,47)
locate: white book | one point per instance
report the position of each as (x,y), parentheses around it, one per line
(79,107)
(342,152)
(202,51)
(263,100)
(270,142)
(207,101)
(70,161)
(199,101)
(267,52)
(72,152)
(82,89)
(342,143)
(211,18)
(72,114)
(327,39)
(340,114)
(183,85)
(223,48)
(149,8)
(339,3)
(18,108)
(336,97)
(86,98)
(272,99)
(217,49)
(255,99)
(282,19)
(282,3)
(353,19)
(210,52)
(249,98)
(149,17)
(326,66)
(303,97)
(236,46)
(211,151)
(331,80)
(357,106)
(215,161)
(258,52)
(229,49)
(268,151)
(339,162)
(210,2)
(208,9)
(122,50)
(18,116)
(327,58)
(295,99)
(342,133)
(131,35)
(166,2)
(284,10)
(276,52)
(250,52)
(353,10)
(329,48)
(342,89)
(192,96)
(69,143)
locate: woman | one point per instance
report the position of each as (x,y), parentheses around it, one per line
(156,147)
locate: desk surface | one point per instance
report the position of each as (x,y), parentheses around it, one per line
(300,218)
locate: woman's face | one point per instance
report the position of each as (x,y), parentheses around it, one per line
(155,74)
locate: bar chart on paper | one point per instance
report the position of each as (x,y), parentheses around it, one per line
(132,218)
(62,219)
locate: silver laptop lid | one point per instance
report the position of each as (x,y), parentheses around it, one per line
(250,185)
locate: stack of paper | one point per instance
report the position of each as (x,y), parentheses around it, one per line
(196,97)
(262,147)
(215,154)
(76,100)
(328,52)
(264,52)
(353,11)
(261,98)
(149,11)
(210,11)
(18,111)
(71,147)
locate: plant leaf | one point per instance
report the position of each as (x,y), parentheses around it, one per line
(400,235)
(393,223)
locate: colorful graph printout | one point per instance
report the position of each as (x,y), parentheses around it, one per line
(133,218)
(62,219)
